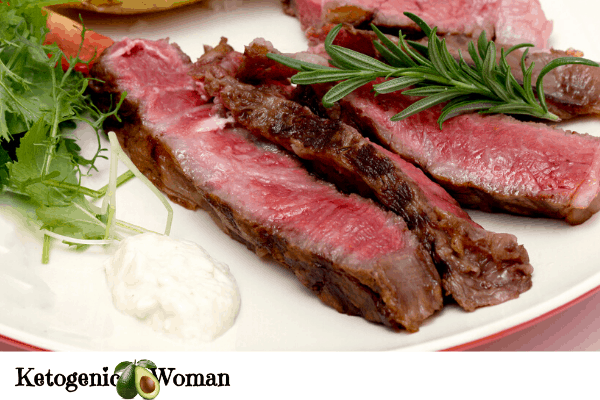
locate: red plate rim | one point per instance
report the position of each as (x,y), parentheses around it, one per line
(20,345)
(524,325)
(460,347)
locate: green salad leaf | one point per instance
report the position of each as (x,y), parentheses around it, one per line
(40,160)
(4,160)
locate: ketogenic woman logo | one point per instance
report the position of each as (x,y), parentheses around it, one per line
(130,379)
(137,379)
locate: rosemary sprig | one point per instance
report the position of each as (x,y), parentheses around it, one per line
(486,86)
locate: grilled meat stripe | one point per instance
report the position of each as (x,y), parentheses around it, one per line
(354,256)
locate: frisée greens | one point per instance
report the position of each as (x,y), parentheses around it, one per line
(40,160)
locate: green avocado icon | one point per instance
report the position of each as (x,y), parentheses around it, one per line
(137,379)
(126,384)
(146,384)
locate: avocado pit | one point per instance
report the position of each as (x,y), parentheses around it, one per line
(147,384)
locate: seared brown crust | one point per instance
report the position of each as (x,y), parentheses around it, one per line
(574,85)
(478,268)
(354,295)
(289,7)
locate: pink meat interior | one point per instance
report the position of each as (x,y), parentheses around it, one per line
(508,21)
(255,178)
(497,152)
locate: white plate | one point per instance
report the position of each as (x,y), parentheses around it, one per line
(69,306)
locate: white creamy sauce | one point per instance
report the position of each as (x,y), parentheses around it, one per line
(174,286)
(20,286)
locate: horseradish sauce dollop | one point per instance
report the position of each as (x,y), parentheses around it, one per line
(174,286)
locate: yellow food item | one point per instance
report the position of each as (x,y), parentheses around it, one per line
(127,6)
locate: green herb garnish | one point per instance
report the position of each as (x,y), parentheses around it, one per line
(487,86)
(40,159)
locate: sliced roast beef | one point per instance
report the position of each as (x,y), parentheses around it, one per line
(478,268)
(356,257)
(493,163)
(507,21)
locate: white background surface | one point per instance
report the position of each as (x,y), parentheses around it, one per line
(565,259)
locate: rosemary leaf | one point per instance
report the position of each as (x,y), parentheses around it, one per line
(424,104)
(333,75)
(390,57)
(473,77)
(489,62)
(429,90)
(555,64)
(393,48)
(504,67)
(331,35)
(297,64)
(518,46)
(436,59)
(508,85)
(527,73)
(523,109)
(343,89)
(424,50)
(482,45)
(424,27)
(356,60)
(462,106)
(450,62)
(474,56)
(516,87)
(396,84)
(336,64)
(419,59)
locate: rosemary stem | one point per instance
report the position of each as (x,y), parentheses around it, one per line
(550,116)
(488,86)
